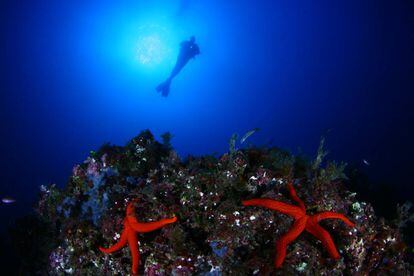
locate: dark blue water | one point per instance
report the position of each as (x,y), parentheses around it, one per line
(77,75)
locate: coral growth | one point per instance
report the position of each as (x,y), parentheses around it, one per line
(215,234)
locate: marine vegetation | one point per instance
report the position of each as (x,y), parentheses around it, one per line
(214,234)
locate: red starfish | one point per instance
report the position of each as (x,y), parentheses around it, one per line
(302,222)
(129,234)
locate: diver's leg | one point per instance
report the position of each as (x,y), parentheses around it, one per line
(164,87)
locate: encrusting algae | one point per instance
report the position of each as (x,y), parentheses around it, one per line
(209,231)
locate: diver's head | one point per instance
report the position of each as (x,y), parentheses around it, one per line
(192,39)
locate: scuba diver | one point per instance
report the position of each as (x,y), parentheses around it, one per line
(188,50)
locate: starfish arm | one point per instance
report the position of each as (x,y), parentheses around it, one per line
(143,227)
(321,234)
(295,197)
(333,215)
(117,246)
(133,247)
(283,208)
(287,238)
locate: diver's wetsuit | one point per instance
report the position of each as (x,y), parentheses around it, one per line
(188,50)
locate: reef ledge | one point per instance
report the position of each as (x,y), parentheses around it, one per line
(214,234)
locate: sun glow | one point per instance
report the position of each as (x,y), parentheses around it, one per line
(151,47)
(150,50)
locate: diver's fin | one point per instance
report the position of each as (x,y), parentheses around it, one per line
(164,88)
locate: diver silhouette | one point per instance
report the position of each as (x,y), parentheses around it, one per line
(188,50)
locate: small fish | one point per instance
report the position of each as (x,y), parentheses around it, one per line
(247,135)
(8,200)
(366,163)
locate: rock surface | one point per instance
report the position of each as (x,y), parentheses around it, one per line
(214,233)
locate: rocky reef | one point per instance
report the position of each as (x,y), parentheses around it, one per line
(214,234)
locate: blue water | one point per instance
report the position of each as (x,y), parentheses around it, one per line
(75,75)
